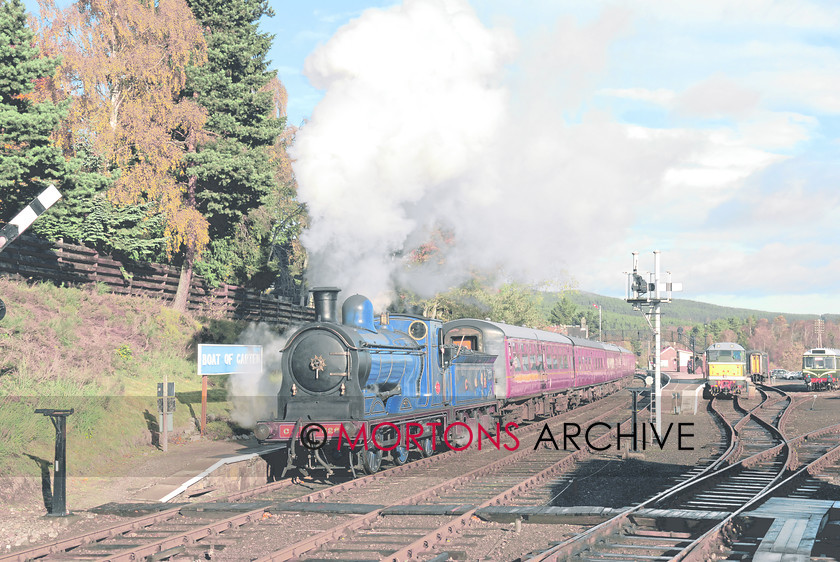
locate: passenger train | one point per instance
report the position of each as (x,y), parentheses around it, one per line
(821,368)
(356,389)
(758,366)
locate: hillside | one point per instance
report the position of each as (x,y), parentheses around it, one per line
(618,314)
(102,355)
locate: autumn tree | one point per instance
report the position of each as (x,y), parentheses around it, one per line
(124,63)
(29,161)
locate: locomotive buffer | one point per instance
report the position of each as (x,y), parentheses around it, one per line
(650,296)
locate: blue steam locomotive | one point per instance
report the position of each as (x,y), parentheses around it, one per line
(366,386)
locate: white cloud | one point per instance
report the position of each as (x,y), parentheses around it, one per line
(717,96)
(782,130)
(428,122)
(659,96)
(813,88)
(788,13)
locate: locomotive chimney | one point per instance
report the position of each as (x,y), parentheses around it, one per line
(325,303)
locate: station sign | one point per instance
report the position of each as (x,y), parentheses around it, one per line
(218,359)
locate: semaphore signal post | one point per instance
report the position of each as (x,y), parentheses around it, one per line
(647,296)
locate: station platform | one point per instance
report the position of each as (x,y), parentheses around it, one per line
(683,394)
(193,471)
(793,532)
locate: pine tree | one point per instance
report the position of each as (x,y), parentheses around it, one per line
(234,172)
(86,215)
(564,313)
(29,161)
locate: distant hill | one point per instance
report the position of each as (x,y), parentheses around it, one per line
(618,314)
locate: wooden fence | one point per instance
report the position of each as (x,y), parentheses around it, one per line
(59,262)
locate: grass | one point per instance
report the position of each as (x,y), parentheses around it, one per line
(102,355)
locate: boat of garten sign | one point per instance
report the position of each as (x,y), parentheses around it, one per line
(219,359)
(214,359)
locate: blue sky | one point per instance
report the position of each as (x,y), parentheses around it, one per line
(553,138)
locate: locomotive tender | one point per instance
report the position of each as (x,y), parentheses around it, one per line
(400,382)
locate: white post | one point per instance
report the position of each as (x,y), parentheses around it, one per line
(165,428)
(600,331)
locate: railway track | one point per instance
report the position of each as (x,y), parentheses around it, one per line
(411,527)
(733,512)
(662,526)
(423,511)
(793,500)
(234,521)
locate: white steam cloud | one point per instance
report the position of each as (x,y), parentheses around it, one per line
(425,126)
(253,397)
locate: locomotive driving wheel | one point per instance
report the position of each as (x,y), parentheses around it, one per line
(371,460)
(400,455)
(426,447)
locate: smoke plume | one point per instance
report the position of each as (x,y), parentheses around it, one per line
(431,122)
(253,397)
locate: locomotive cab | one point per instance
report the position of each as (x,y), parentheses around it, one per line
(726,371)
(820,368)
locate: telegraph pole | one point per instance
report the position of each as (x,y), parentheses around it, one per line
(819,328)
(651,294)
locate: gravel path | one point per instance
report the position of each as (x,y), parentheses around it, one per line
(23,520)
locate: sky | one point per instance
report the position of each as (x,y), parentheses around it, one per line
(548,140)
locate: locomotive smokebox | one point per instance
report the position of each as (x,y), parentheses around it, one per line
(325,303)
